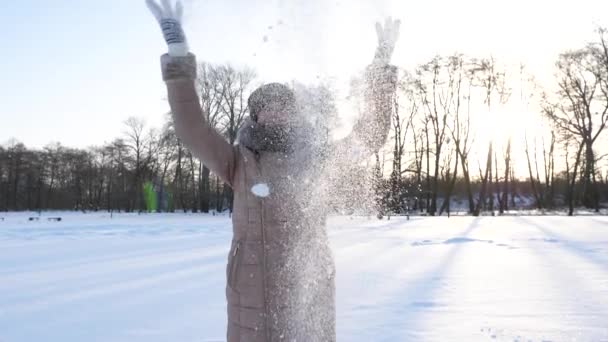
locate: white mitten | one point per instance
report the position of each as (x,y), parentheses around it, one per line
(387,38)
(170,20)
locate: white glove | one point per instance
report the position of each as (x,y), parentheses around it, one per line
(170,20)
(387,38)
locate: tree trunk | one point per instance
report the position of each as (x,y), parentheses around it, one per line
(204,189)
(452,183)
(589,186)
(484,183)
(504,202)
(219,201)
(535,190)
(467,183)
(571,178)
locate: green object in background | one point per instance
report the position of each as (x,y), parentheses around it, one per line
(150,197)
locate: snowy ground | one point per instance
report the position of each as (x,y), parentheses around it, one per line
(161,278)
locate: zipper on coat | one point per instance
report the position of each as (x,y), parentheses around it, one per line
(264,242)
(266,308)
(234,265)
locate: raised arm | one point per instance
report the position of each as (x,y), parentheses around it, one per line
(371,130)
(179,72)
(190,124)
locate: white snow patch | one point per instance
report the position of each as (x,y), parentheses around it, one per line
(261,190)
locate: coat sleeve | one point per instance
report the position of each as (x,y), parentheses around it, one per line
(370,132)
(190,124)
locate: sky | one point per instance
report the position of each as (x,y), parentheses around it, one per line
(74,71)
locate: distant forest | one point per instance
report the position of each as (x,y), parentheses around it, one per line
(426,166)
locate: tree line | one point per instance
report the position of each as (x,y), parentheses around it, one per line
(436,124)
(112,176)
(434,158)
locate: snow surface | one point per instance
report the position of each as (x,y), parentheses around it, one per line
(161,277)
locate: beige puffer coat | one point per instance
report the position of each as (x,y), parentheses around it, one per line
(280,272)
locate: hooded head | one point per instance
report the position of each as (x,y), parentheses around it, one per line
(273,103)
(275,123)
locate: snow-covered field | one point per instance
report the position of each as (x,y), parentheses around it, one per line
(160,277)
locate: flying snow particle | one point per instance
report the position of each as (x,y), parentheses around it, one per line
(265,39)
(260,190)
(356,152)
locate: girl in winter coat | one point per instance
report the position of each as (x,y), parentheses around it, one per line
(280,272)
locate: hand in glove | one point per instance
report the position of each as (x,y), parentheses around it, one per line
(387,38)
(170,19)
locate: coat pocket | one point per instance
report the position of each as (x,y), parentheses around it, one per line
(233,265)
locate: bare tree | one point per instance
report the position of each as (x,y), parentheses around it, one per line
(549,170)
(137,142)
(504,203)
(436,99)
(400,126)
(581,109)
(212,96)
(572,171)
(463,140)
(235,88)
(489,77)
(534,176)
